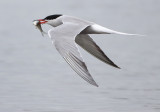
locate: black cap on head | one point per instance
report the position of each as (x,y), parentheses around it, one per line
(50,17)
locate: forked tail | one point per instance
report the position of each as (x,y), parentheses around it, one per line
(97,29)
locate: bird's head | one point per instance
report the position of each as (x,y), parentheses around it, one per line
(49,19)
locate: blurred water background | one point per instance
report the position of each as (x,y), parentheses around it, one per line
(35,78)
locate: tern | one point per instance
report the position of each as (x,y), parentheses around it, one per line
(68,32)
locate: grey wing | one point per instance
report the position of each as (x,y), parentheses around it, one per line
(64,40)
(87,43)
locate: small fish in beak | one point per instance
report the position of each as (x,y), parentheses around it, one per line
(38,25)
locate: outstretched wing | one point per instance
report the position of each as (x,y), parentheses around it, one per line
(64,40)
(87,43)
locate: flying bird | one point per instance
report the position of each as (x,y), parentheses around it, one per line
(68,32)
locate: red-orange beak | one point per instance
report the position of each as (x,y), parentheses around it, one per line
(41,21)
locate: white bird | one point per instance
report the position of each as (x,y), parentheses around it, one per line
(69,31)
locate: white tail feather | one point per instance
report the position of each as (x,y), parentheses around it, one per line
(121,33)
(97,29)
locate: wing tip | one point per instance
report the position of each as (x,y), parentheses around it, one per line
(116,66)
(92,82)
(95,84)
(112,64)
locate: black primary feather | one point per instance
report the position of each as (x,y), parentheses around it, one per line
(50,17)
